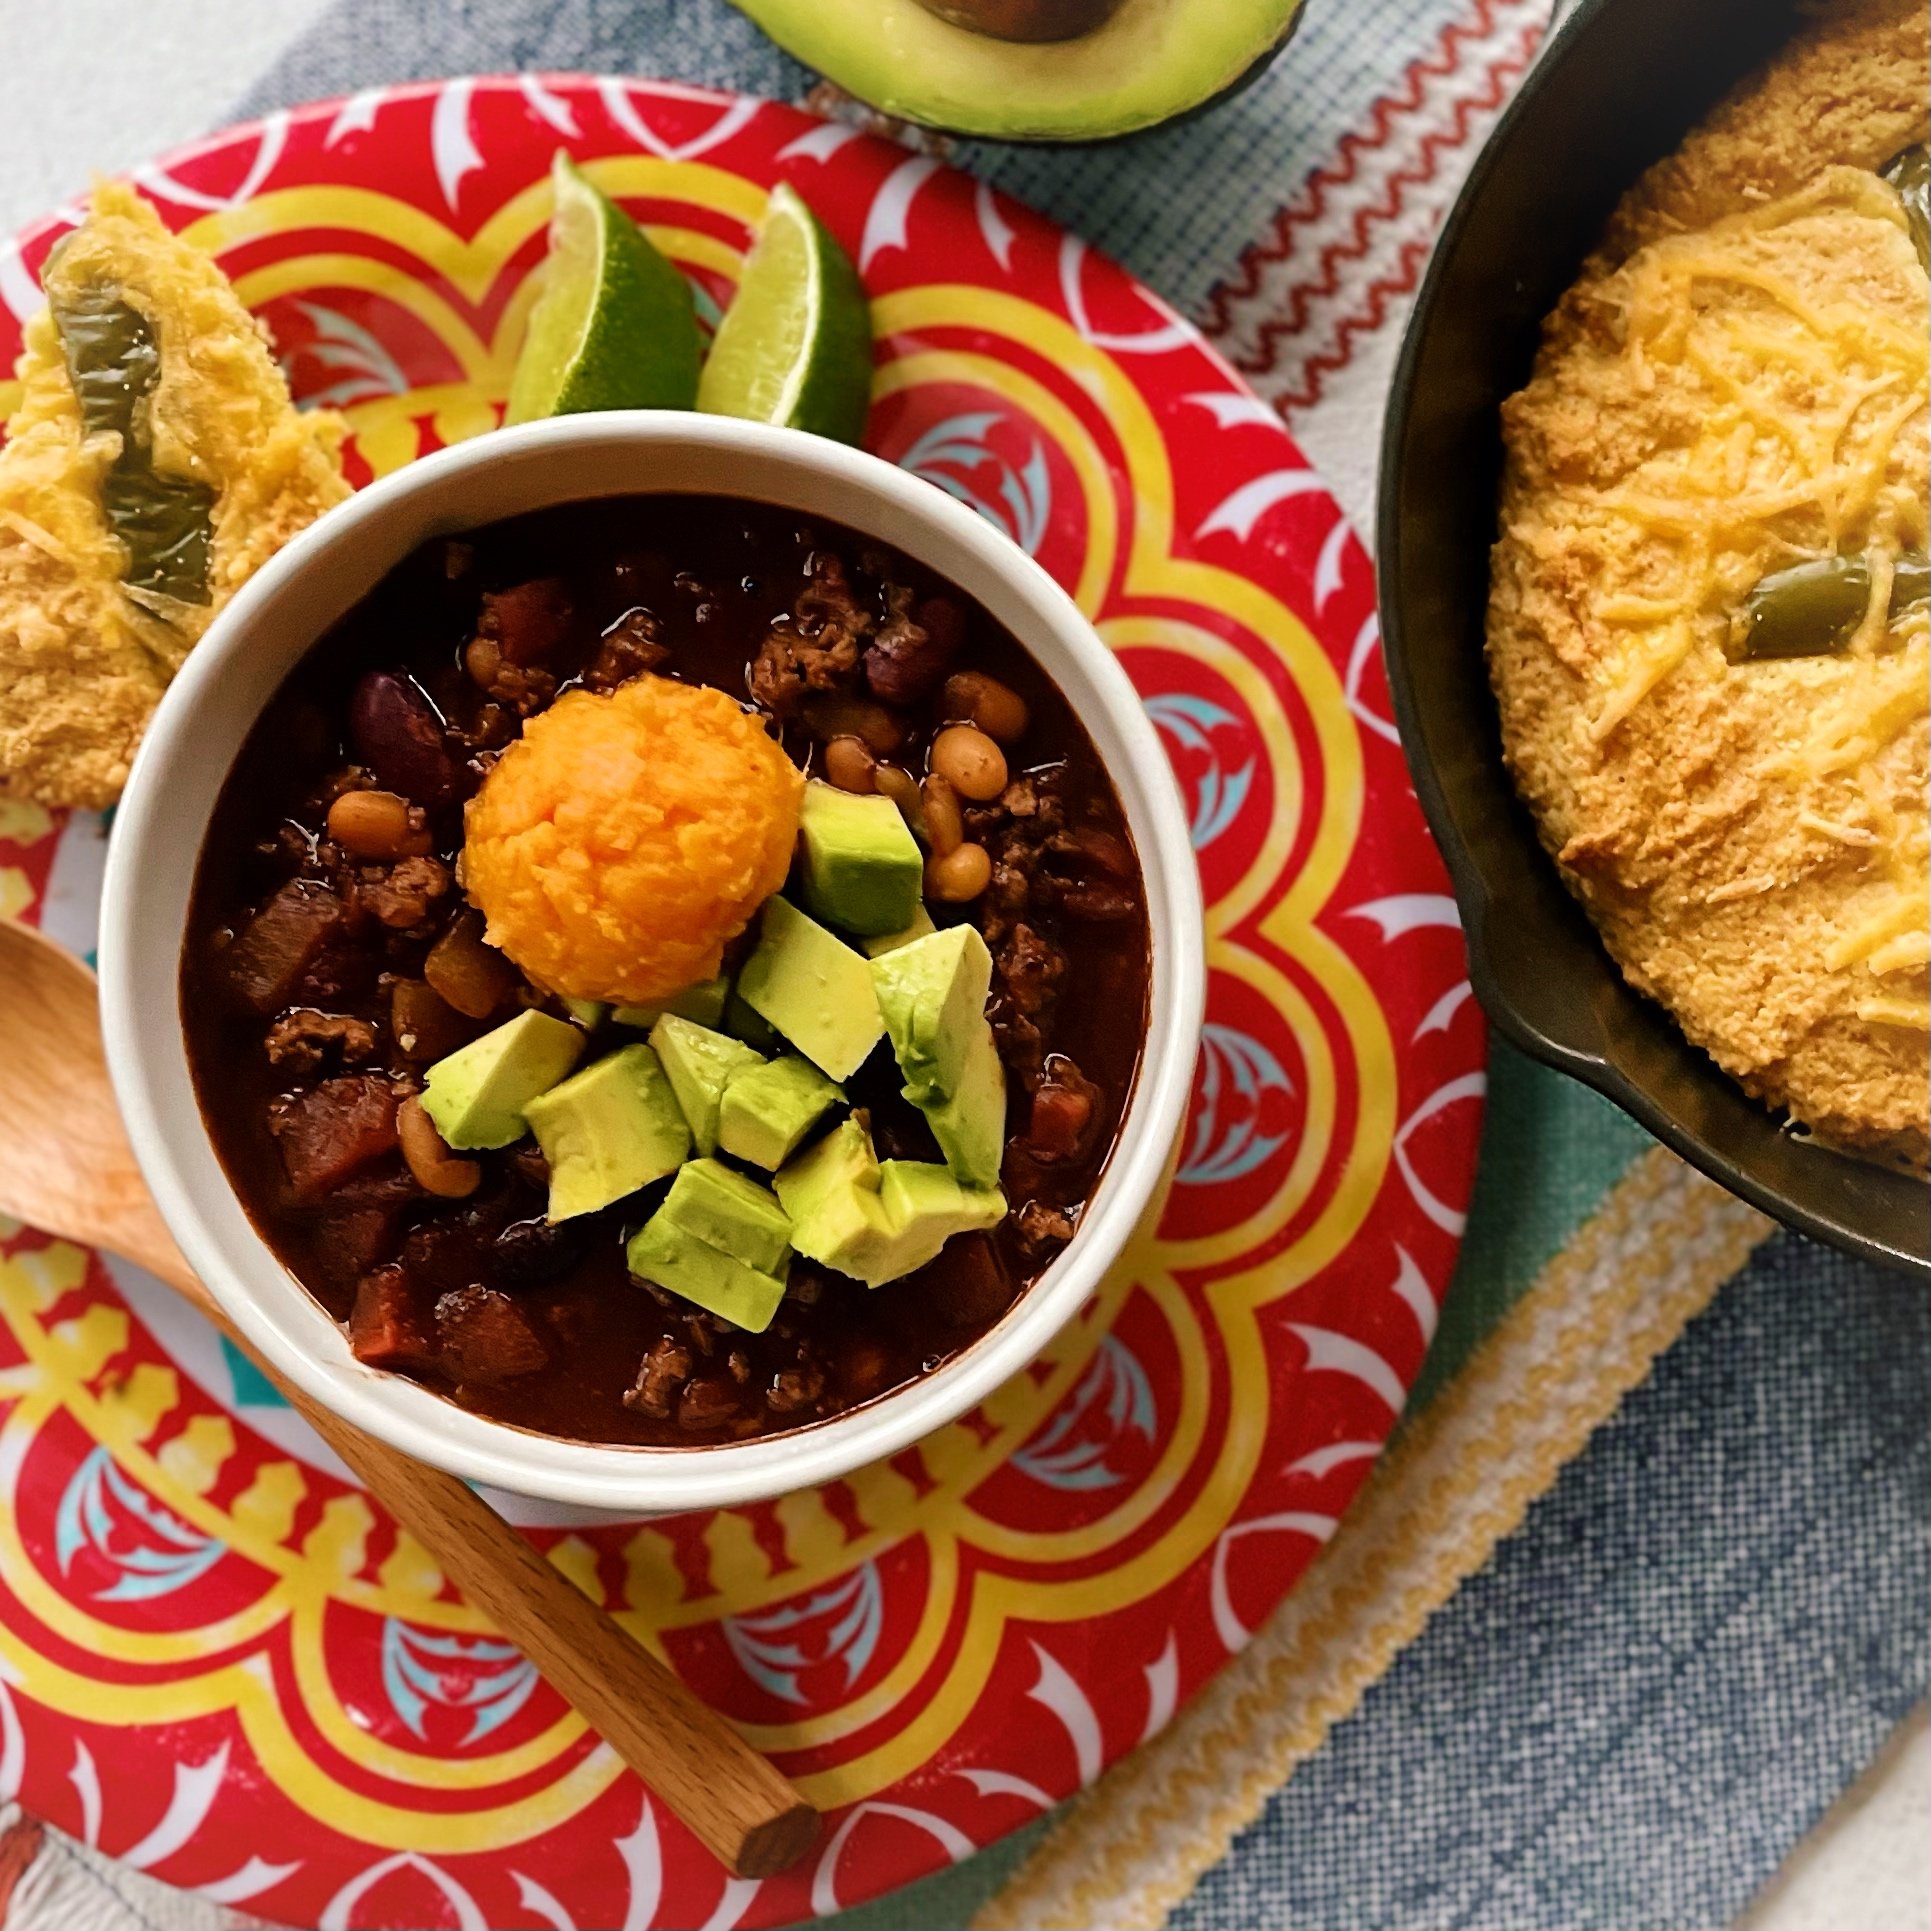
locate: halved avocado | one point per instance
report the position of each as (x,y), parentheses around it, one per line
(1152,60)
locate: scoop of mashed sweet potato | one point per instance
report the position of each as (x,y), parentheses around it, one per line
(626,839)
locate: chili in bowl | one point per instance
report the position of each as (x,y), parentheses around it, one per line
(652,961)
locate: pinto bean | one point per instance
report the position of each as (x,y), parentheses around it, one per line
(960,875)
(944,822)
(903,790)
(850,766)
(996,708)
(437,1168)
(379,825)
(969,761)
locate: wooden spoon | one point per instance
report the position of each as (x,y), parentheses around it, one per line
(66,1168)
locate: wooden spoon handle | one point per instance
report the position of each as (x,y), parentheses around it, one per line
(731,1797)
(748,1815)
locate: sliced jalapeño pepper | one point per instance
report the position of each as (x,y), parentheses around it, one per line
(114,363)
(1910,174)
(1809,610)
(1813,609)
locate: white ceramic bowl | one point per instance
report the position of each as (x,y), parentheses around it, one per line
(238,666)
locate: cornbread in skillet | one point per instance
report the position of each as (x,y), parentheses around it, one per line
(154,464)
(1707,623)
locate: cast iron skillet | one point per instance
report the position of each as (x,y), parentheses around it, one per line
(1619,85)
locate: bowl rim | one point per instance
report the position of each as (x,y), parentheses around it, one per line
(148,1062)
(1566,40)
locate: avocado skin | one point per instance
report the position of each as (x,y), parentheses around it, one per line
(1057,123)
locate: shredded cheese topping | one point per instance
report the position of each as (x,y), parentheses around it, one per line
(1799,401)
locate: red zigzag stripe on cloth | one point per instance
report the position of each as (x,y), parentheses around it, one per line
(1310,200)
(1408,262)
(1311,203)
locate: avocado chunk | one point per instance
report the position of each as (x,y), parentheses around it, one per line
(768,1109)
(719,1206)
(661,1251)
(831,1193)
(1151,60)
(608,1130)
(702,1003)
(933,995)
(814,989)
(742,1023)
(842,1159)
(699,1064)
(862,867)
(477,1095)
(588,1013)
(891,941)
(876,1221)
(925,1206)
(970,1125)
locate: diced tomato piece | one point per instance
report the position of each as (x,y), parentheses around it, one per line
(335,1130)
(390,1327)
(528,621)
(486,1338)
(268,957)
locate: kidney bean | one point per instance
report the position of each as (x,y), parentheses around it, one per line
(399,737)
(942,620)
(530,1251)
(907,658)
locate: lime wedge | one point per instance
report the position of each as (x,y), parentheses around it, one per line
(613,327)
(795,346)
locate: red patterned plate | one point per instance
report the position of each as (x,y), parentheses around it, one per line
(220,1664)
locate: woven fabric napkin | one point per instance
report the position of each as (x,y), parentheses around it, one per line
(1605,1634)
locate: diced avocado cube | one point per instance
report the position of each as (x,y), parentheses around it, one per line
(724,1210)
(742,1023)
(831,1194)
(767,1110)
(703,1003)
(891,941)
(933,995)
(925,1206)
(588,1013)
(608,1130)
(477,1095)
(970,1126)
(862,867)
(663,1252)
(843,1158)
(814,989)
(876,1221)
(699,1063)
